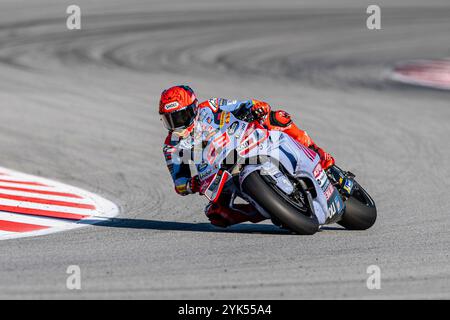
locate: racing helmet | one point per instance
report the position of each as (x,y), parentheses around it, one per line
(178,107)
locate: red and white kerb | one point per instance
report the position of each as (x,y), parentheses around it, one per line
(31,206)
(428,73)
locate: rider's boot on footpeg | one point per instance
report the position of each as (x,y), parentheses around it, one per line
(224,216)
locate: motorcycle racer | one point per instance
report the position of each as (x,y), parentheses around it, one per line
(178,109)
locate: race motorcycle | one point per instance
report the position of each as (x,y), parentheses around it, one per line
(280,177)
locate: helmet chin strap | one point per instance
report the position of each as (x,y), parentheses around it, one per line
(183,132)
(179,132)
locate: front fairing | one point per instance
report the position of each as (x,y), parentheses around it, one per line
(216,135)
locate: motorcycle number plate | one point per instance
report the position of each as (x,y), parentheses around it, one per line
(215,187)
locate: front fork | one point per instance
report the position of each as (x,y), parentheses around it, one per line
(344,181)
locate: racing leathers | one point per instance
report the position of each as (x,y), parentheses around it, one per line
(219,213)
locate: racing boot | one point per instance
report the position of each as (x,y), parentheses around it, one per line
(224,216)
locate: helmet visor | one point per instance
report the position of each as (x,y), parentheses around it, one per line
(179,119)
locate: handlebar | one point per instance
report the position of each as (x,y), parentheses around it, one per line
(245,114)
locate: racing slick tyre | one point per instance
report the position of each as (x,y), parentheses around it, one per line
(279,206)
(360,211)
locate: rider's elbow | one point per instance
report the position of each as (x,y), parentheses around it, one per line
(182,190)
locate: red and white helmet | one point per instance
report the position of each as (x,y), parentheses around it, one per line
(178,107)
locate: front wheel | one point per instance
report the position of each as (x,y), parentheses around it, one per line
(360,211)
(279,205)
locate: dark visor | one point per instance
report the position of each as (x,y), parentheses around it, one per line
(179,119)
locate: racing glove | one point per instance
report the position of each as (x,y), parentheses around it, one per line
(260,108)
(193,185)
(326,160)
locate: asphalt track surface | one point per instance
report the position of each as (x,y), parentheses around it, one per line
(80,107)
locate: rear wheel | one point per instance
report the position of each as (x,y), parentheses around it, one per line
(286,210)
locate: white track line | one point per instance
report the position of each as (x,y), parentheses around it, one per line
(7,235)
(41,221)
(24,186)
(45,196)
(39,206)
